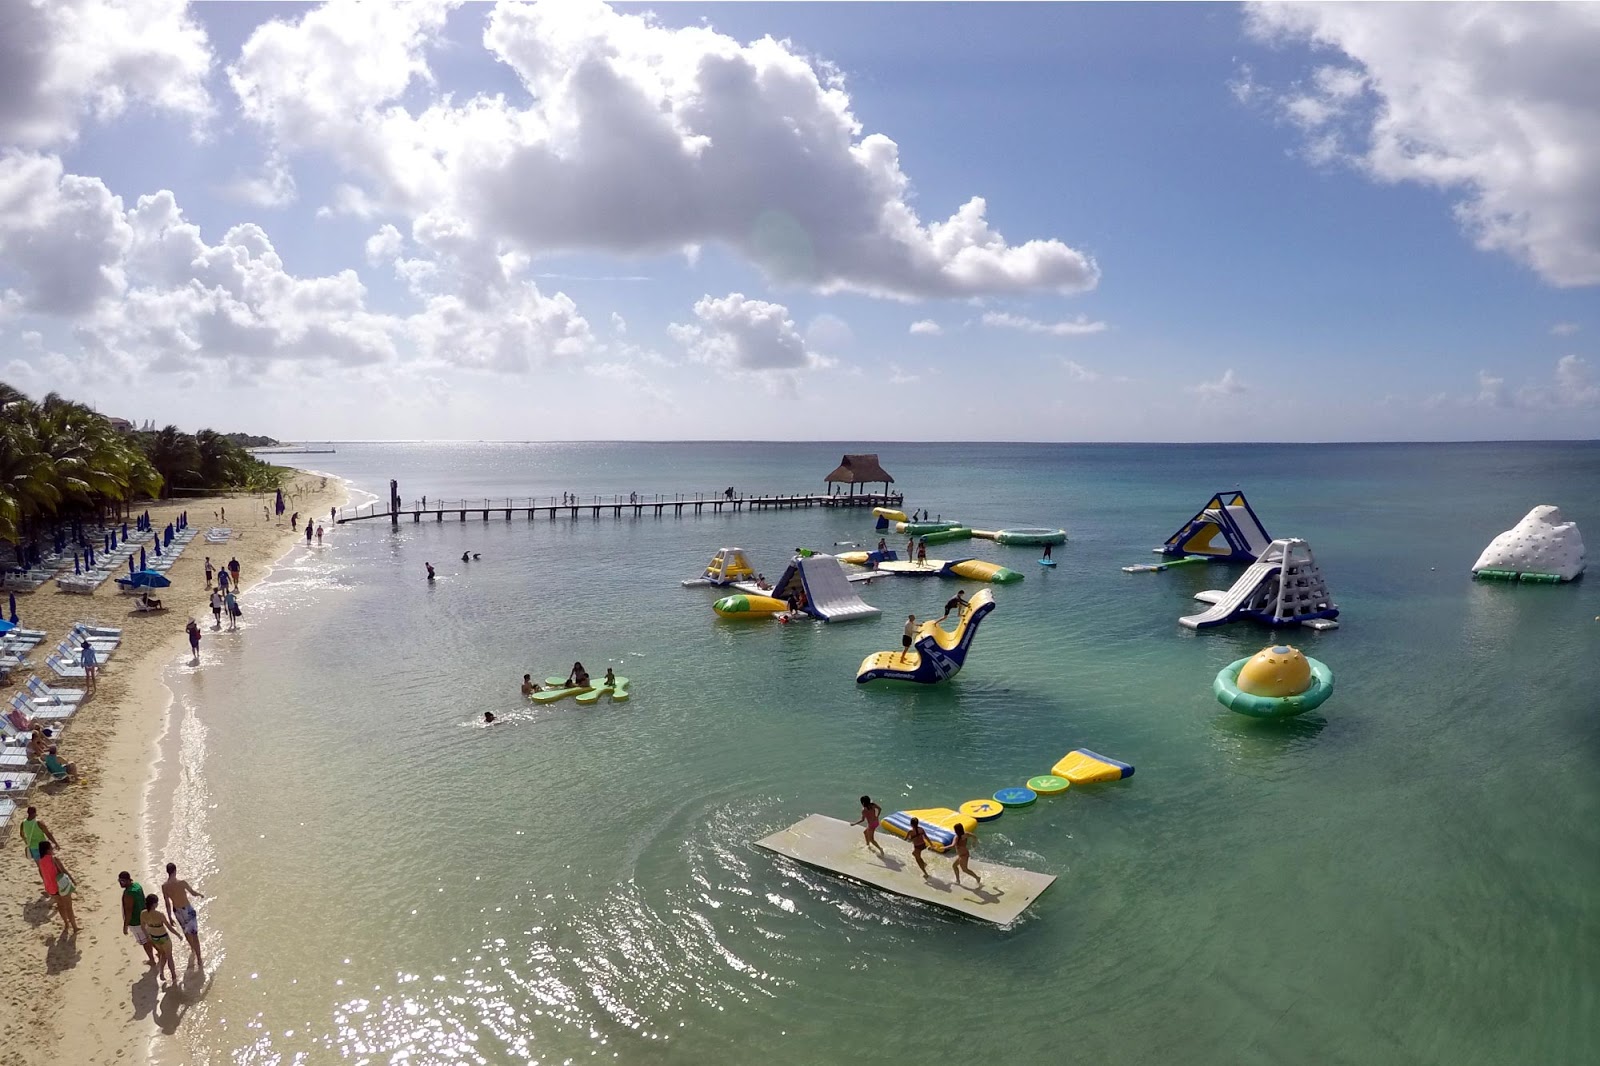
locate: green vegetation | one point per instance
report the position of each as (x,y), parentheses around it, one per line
(60,460)
(250,440)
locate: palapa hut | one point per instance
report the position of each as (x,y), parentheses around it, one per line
(860,470)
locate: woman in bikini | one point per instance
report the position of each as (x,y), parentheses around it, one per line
(58,885)
(918,839)
(154,924)
(962,856)
(870,814)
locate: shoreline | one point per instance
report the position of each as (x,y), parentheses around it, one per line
(90,998)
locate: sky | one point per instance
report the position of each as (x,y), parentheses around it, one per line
(574,221)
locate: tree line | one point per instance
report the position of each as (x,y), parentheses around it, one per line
(60,460)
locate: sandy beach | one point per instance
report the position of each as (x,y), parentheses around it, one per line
(88,998)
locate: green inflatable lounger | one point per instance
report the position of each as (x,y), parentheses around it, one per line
(556,688)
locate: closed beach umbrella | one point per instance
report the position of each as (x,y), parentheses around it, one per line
(141,557)
(124,531)
(13,608)
(131,567)
(158,545)
(77,568)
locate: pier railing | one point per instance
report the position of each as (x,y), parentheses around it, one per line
(617,504)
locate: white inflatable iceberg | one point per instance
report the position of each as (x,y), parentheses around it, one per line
(1541,547)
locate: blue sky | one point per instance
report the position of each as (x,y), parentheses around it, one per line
(1286,222)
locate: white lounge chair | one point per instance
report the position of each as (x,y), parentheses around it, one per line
(7,809)
(63,668)
(14,783)
(58,712)
(44,695)
(97,630)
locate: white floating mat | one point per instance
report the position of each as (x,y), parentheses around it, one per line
(837,846)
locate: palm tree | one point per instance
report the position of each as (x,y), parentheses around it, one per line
(174,455)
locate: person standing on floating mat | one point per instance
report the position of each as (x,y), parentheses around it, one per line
(870,814)
(430,570)
(962,856)
(908,636)
(918,839)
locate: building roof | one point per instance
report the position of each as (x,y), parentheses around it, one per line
(859,470)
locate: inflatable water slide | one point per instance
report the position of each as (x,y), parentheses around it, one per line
(1225,528)
(1282,587)
(828,592)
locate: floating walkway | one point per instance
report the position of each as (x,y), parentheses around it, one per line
(655,505)
(837,846)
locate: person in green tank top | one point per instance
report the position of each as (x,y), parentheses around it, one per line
(34,833)
(132,908)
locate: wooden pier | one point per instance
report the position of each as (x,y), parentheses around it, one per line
(633,505)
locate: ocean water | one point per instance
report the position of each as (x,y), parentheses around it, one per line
(1410,874)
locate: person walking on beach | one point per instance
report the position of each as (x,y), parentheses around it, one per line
(319,534)
(231,603)
(918,839)
(222,579)
(233,568)
(871,814)
(193,629)
(956,603)
(211,572)
(216,608)
(961,860)
(308,532)
(132,907)
(177,892)
(59,886)
(159,931)
(91,664)
(35,834)
(907,636)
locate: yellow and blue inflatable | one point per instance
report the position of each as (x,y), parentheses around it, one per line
(1084,767)
(937,822)
(937,654)
(1275,682)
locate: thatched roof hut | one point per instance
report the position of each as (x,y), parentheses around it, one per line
(860,470)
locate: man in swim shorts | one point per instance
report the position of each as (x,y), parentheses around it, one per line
(181,911)
(870,814)
(908,636)
(956,603)
(918,839)
(132,907)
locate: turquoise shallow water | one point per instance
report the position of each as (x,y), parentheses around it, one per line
(1409,875)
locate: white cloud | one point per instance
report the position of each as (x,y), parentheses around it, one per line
(1572,386)
(1564,329)
(272,186)
(62,236)
(384,246)
(640,139)
(62,60)
(1071,328)
(1491,391)
(926,327)
(742,334)
(1495,101)
(619,325)
(1227,385)
(829,332)
(1079,372)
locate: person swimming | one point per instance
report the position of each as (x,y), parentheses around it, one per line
(430,570)
(488,718)
(466,556)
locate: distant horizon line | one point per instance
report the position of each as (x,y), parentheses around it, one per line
(858,441)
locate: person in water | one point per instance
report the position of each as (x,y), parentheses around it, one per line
(961,862)
(918,839)
(579,678)
(871,814)
(180,909)
(908,635)
(430,570)
(529,686)
(466,556)
(488,718)
(1047,551)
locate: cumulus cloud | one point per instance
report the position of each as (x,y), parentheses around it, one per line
(926,327)
(1497,102)
(1072,328)
(383,246)
(143,289)
(1572,386)
(737,333)
(272,186)
(640,139)
(1227,385)
(63,60)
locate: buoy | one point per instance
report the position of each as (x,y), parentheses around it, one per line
(1048,784)
(983,810)
(1016,796)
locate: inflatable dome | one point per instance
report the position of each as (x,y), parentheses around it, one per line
(1541,546)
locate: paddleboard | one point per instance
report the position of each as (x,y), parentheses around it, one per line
(1047,562)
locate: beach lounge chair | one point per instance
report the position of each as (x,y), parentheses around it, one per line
(7,809)
(44,696)
(14,783)
(13,757)
(97,630)
(50,713)
(57,768)
(64,667)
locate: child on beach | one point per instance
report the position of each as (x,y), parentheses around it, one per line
(870,815)
(159,932)
(960,862)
